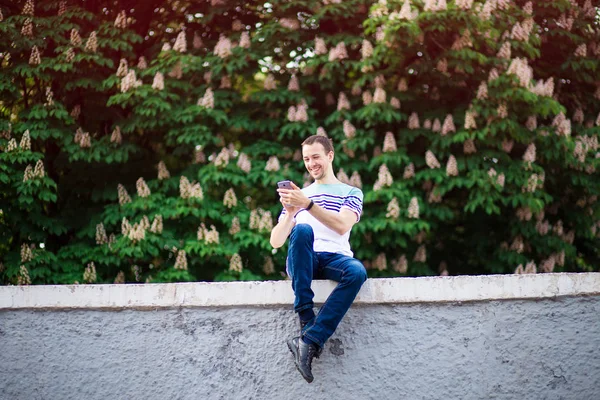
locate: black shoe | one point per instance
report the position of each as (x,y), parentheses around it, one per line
(302,326)
(303,356)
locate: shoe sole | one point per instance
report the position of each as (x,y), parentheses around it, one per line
(294,350)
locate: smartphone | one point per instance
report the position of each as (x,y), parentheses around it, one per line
(284,185)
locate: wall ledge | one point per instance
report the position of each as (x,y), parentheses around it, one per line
(375,291)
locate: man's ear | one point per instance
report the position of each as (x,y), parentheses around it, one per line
(331,155)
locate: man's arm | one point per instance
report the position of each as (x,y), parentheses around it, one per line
(282,230)
(339,222)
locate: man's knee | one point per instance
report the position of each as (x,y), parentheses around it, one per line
(301,231)
(356,273)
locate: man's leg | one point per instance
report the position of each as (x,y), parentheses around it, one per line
(301,265)
(351,274)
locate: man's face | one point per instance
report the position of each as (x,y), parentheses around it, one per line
(316,161)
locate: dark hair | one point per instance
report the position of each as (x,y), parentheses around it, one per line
(323,140)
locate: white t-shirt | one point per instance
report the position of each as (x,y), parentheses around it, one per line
(331,197)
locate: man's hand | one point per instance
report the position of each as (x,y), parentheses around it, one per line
(290,210)
(293,198)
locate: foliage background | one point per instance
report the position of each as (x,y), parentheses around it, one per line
(472,128)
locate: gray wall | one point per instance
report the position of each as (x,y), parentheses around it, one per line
(518,349)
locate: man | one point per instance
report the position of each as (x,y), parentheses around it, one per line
(318,220)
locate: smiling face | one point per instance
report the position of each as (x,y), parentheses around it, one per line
(317,162)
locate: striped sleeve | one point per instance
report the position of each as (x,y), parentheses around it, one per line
(354,202)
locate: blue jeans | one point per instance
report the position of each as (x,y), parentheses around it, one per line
(304,265)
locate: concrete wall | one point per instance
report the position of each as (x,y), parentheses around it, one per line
(492,337)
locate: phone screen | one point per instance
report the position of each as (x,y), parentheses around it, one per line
(284,184)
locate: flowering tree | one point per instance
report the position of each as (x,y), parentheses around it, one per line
(145,144)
